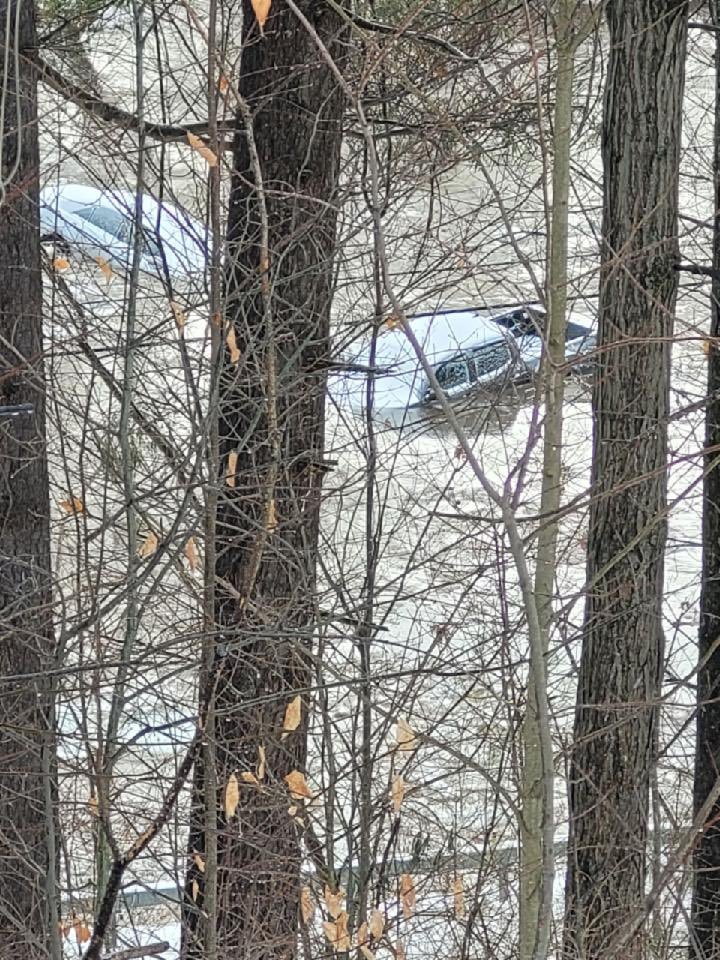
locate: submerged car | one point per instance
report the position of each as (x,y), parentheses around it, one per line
(100,223)
(473,352)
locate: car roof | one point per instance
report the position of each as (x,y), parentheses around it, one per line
(121,200)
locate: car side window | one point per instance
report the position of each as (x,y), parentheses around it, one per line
(109,220)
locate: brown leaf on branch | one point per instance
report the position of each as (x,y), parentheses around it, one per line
(293,715)
(407,895)
(232,796)
(202,148)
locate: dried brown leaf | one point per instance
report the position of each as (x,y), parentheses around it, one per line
(105,269)
(293,716)
(73,505)
(203,149)
(261,9)
(307,905)
(232,468)
(82,931)
(179,314)
(247,776)
(60,263)
(407,895)
(397,792)
(233,348)
(149,545)
(191,554)
(199,862)
(232,796)
(333,901)
(377,924)
(298,786)
(195,890)
(405,735)
(261,763)
(459,898)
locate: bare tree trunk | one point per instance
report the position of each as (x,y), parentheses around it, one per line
(533,813)
(622,654)
(28,914)
(282,236)
(705,927)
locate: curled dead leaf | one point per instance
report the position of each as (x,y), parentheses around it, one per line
(179,314)
(261,9)
(247,776)
(73,505)
(105,269)
(191,553)
(261,763)
(307,905)
(195,890)
(149,545)
(199,862)
(405,736)
(297,786)
(203,149)
(393,322)
(60,263)
(459,898)
(333,901)
(397,792)
(223,83)
(407,895)
(232,468)
(376,924)
(82,931)
(231,341)
(232,796)
(293,715)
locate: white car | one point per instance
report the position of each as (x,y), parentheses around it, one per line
(100,223)
(472,352)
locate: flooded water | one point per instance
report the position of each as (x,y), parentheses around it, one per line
(450,651)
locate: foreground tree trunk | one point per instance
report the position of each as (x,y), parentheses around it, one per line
(282,236)
(705,914)
(28,915)
(622,654)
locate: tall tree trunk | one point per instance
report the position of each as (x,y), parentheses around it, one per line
(622,653)
(705,926)
(282,237)
(533,811)
(27,904)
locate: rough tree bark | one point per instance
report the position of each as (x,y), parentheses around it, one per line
(282,237)
(622,653)
(28,914)
(705,913)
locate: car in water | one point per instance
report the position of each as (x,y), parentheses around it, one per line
(475,354)
(101,224)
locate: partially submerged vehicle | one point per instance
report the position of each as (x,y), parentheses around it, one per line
(100,224)
(474,353)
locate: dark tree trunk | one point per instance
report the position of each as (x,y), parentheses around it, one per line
(271,418)
(705,914)
(26,637)
(622,653)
